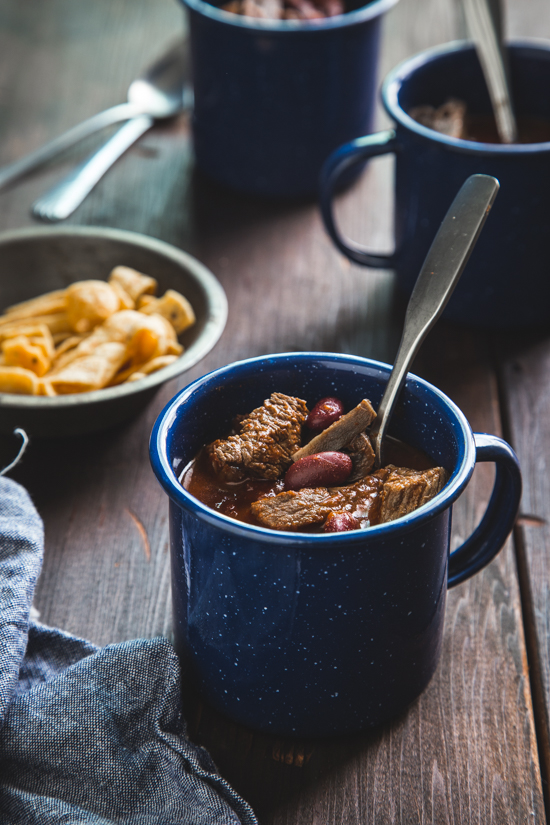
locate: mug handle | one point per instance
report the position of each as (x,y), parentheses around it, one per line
(339,162)
(500,515)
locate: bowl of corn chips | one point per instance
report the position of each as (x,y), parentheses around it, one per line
(93,321)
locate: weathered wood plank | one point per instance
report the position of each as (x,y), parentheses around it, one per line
(524,361)
(527,390)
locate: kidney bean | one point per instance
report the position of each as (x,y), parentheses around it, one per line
(324,413)
(318,470)
(340,522)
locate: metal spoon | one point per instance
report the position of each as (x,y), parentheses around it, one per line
(438,277)
(163,93)
(484,21)
(155,93)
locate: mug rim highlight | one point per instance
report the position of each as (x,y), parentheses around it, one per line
(166,474)
(395,79)
(368,12)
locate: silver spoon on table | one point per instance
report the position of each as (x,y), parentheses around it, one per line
(150,94)
(484,21)
(162,92)
(438,277)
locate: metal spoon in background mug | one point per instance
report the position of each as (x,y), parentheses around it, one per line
(484,20)
(153,93)
(438,277)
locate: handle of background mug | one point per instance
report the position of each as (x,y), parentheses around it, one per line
(500,515)
(342,159)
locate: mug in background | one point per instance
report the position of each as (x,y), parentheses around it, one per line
(309,634)
(506,282)
(273,98)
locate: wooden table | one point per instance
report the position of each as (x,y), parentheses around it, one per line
(474,748)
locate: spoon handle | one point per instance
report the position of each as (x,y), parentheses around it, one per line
(16,170)
(63,198)
(438,277)
(485,25)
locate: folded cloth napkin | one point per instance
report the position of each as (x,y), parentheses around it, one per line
(91,735)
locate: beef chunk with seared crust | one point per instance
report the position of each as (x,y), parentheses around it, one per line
(293,510)
(405,490)
(386,495)
(264,442)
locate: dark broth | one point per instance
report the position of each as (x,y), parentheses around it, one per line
(230,499)
(234,499)
(482,128)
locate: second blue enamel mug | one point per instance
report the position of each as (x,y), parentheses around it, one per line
(505,283)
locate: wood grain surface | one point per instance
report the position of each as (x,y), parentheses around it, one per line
(466,751)
(525,369)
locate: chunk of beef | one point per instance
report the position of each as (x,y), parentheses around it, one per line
(294,510)
(449,118)
(264,442)
(405,490)
(362,456)
(340,433)
(388,494)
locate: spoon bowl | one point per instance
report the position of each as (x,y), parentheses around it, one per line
(162,91)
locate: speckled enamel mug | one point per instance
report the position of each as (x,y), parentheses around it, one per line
(505,283)
(316,634)
(273,98)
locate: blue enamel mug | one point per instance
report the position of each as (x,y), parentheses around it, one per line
(505,283)
(305,634)
(274,97)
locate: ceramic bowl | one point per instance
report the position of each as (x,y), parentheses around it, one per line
(34,261)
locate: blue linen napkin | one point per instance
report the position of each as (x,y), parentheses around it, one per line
(91,735)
